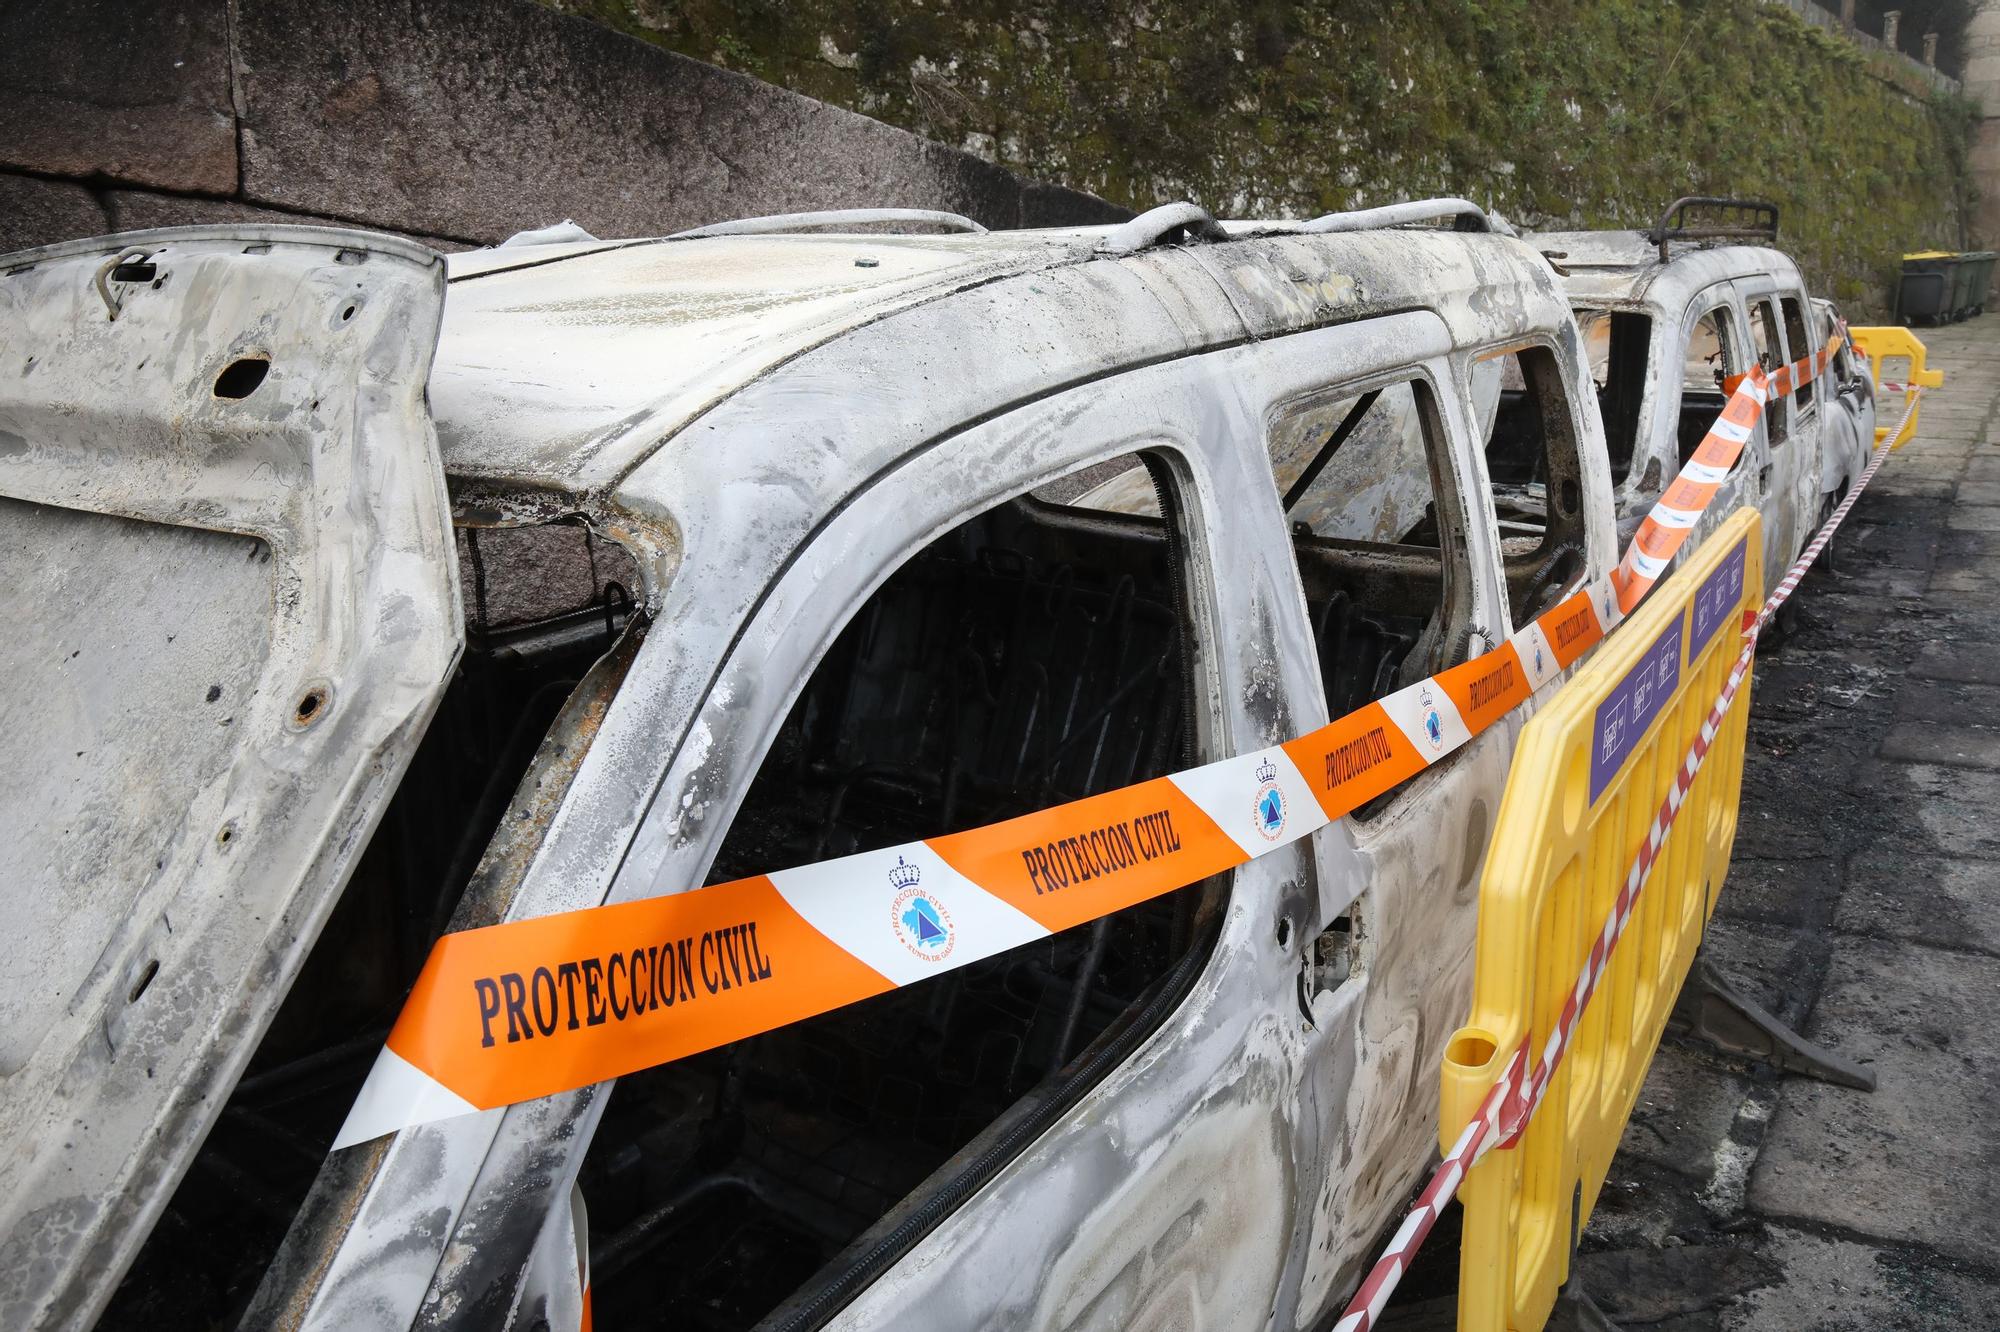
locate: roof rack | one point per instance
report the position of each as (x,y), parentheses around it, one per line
(1465,215)
(1761,225)
(1156,225)
(837,219)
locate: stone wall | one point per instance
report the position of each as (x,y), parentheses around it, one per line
(462,121)
(1564,113)
(458,122)
(1982,84)
(1904,70)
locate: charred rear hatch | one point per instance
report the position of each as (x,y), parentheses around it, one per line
(231,606)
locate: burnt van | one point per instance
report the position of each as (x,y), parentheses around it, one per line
(358,594)
(1674,314)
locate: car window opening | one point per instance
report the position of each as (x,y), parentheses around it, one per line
(1302,484)
(1363,472)
(1533,465)
(1801,345)
(1617,343)
(1706,363)
(1771,355)
(1367,536)
(1034,654)
(542,604)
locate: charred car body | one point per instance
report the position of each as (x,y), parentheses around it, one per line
(423,595)
(1671,315)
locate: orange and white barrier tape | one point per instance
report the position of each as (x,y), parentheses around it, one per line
(527,1008)
(1504,1112)
(1665,530)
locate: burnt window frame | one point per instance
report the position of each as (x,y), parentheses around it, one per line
(1459,597)
(1017,1126)
(1761,311)
(1719,305)
(1576,516)
(1629,386)
(1791,311)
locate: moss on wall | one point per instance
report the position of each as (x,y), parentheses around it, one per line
(1557,112)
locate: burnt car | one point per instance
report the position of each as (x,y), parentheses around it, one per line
(1674,313)
(362,594)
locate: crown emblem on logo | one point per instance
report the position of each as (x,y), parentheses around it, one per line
(1267,771)
(905,875)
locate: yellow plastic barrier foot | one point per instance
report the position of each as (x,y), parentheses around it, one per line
(1713,1010)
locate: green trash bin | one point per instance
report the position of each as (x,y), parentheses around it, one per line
(1927,291)
(1979,280)
(1962,274)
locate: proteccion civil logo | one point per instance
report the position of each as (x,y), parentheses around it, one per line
(919,919)
(1433,723)
(1268,813)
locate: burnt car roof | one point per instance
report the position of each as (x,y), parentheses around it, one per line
(1624,267)
(561,369)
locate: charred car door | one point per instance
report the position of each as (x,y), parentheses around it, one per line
(1848,414)
(1146,1176)
(1706,349)
(232,605)
(1791,462)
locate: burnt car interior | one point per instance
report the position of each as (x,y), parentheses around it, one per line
(1707,363)
(541,605)
(1533,463)
(1382,611)
(1618,343)
(1036,653)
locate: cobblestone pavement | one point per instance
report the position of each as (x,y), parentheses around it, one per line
(1863,907)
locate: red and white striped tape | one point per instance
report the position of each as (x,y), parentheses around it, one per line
(1479,1136)
(1498,1118)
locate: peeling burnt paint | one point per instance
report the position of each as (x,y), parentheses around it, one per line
(768,461)
(777,529)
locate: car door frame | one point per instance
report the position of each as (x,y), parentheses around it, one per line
(1014,1226)
(1748,481)
(1784,472)
(1848,422)
(1808,425)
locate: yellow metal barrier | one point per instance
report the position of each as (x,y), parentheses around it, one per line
(1588,777)
(1897,356)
